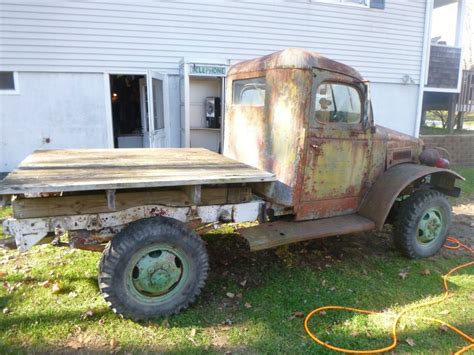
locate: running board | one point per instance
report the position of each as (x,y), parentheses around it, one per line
(273,234)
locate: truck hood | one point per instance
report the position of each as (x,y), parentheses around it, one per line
(400,147)
(396,138)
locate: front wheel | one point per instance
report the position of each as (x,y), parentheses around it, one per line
(422,224)
(154,267)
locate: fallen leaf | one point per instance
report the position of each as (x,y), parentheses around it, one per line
(56,288)
(323,313)
(298,314)
(45,284)
(193,332)
(227,322)
(445,312)
(410,342)
(72,294)
(230,295)
(444,328)
(3,273)
(471,296)
(243,283)
(403,275)
(87,314)
(247,305)
(114,344)
(426,272)
(6,310)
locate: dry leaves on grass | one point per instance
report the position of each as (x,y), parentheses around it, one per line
(410,342)
(403,275)
(296,314)
(56,288)
(426,272)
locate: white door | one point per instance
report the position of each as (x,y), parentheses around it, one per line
(154,108)
(158,106)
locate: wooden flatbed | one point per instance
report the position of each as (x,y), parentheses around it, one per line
(108,169)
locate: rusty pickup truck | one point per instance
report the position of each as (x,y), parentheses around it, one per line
(302,156)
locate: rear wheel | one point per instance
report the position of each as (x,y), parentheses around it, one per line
(422,224)
(154,267)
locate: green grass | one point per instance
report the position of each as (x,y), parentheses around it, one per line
(360,271)
(467,187)
(425,131)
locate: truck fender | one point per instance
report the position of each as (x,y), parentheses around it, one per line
(381,196)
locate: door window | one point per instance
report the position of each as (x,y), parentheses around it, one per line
(158,104)
(336,102)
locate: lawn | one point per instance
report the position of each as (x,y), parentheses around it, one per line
(53,303)
(427,130)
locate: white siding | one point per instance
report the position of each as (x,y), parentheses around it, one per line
(384,45)
(53,110)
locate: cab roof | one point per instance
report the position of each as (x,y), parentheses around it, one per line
(293,58)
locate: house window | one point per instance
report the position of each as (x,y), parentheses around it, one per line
(364,3)
(250,92)
(338,103)
(375,4)
(8,82)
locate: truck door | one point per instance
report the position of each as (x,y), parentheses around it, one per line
(337,148)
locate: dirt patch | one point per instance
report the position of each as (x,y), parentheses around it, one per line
(463,223)
(231,259)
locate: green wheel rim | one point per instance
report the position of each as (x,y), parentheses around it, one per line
(156,273)
(430,226)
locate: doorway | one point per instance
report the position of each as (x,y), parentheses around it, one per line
(139,115)
(127,119)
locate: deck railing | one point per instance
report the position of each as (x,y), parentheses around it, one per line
(466,96)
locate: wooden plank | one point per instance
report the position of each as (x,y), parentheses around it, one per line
(194,193)
(273,234)
(109,169)
(96,203)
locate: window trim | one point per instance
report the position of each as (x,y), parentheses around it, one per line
(361,96)
(16,90)
(331,2)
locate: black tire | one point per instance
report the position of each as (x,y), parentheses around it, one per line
(408,235)
(117,266)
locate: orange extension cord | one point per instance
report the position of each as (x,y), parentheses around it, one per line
(456,244)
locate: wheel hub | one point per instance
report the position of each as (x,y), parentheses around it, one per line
(430,226)
(156,273)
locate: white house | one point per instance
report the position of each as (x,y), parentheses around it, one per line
(74,74)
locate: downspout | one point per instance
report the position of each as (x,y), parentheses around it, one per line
(424,61)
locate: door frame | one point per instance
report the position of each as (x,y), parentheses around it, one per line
(185,73)
(108,101)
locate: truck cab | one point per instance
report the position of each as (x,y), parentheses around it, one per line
(308,119)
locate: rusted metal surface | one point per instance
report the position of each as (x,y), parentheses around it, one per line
(274,135)
(324,169)
(380,198)
(273,234)
(30,231)
(293,58)
(86,240)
